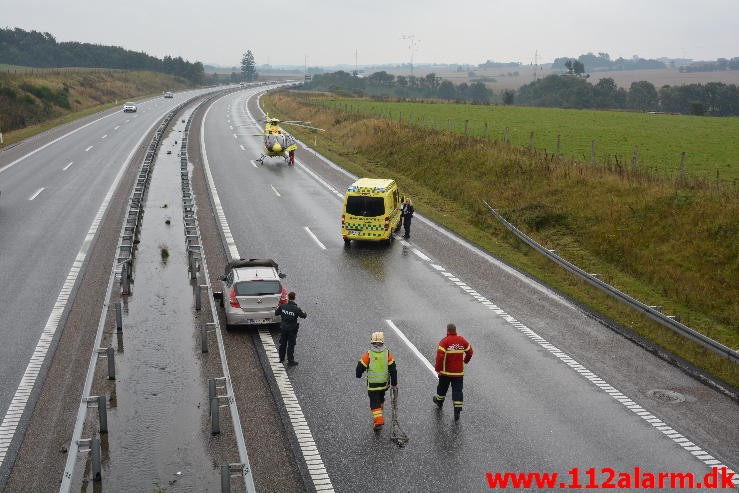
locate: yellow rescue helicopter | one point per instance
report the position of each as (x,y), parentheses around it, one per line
(277,142)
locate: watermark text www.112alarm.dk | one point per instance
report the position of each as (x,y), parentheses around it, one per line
(609,478)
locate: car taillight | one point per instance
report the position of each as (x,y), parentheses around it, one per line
(232,298)
(387,223)
(342,220)
(283,296)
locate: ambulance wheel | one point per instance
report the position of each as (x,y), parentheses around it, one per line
(347,241)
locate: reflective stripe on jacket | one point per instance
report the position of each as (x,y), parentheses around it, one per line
(380,367)
(452,354)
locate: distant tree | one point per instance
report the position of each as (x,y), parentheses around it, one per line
(508,96)
(447,90)
(578,67)
(248,67)
(479,93)
(642,96)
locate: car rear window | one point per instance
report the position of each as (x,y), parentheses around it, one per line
(359,205)
(258,288)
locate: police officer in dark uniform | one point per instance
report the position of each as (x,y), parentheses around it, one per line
(407,211)
(289,313)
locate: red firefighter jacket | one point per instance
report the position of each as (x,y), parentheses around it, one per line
(452,354)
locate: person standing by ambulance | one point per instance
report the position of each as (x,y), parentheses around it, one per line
(381,373)
(406,212)
(452,354)
(289,314)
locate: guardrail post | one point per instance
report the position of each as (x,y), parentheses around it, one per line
(110,354)
(96,462)
(125,281)
(103,413)
(196,289)
(119,316)
(203,338)
(225,478)
(211,389)
(215,421)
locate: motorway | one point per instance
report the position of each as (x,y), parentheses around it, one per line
(550,387)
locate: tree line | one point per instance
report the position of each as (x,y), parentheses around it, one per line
(36,49)
(558,91)
(385,84)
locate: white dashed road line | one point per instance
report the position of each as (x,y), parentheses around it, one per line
(275,191)
(37,193)
(413,348)
(67,166)
(89,148)
(315,238)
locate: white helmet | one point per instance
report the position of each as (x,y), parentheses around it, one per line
(378,338)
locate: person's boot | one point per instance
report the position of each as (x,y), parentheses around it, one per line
(377,419)
(457,412)
(437,401)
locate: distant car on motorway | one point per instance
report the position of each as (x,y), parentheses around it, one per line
(168,95)
(129,108)
(252,290)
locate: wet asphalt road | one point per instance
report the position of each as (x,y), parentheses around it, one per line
(525,409)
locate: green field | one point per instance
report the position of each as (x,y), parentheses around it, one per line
(710,144)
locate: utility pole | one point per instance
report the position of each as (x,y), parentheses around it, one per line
(412,43)
(536,65)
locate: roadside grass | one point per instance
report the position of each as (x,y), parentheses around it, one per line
(666,241)
(30,99)
(710,144)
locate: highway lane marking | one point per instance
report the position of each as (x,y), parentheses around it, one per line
(235,137)
(309,451)
(413,348)
(275,191)
(254,163)
(242,147)
(10,165)
(89,148)
(105,136)
(116,127)
(37,193)
(67,166)
(315,238)
(19,402)
(657,423)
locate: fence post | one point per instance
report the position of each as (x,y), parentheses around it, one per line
(196,289)
(449,124)
(592,151)
(466,122)
(486,130)
(110,355)
(635,159)
(682,163)
(211,389)
(215,422)
(531,141)
(505,135)
(125,281)
(558,142)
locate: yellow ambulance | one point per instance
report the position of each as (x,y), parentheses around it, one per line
(371,210)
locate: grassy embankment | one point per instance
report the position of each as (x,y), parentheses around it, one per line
(34,101)
(667,241)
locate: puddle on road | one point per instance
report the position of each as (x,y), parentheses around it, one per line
(158,419)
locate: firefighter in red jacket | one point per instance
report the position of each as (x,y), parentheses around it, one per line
(451,355)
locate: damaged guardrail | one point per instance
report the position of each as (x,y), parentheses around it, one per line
(653,312)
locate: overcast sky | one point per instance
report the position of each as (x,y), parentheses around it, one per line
(331,32)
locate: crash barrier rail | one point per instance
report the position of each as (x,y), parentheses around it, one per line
(672,322)
(220,390)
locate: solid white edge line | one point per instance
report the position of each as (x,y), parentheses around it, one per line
(8,166)
(315,238)
(413,348)
(287,394)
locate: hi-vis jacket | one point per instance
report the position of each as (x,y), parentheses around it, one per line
(380,367)
(451,355)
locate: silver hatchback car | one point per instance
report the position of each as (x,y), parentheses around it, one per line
(252,290)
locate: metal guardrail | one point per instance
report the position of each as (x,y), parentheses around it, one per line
(650,311)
